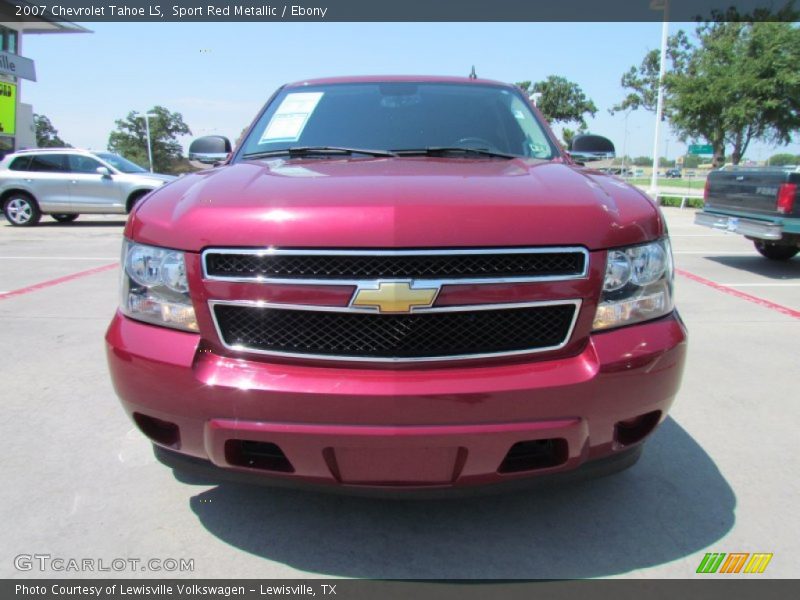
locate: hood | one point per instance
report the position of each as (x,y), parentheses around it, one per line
(396,203)
(148,178)
(157,176)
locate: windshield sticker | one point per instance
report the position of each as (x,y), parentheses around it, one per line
(288,122)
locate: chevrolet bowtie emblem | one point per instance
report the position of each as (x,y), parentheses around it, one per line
(394,297)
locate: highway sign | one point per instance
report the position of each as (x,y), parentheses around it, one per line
(701,149)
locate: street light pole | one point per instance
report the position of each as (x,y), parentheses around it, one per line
(625,141)
(147,117)
(660,99)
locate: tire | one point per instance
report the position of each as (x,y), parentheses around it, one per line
(63,218)
(21,210)
(775,251)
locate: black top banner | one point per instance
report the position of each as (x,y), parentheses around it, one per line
(399,10)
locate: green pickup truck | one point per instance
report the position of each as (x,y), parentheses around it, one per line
(760,203)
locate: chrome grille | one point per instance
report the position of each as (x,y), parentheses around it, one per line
(338,266)
(432,334)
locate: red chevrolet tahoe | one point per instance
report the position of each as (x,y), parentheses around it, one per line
(400,283)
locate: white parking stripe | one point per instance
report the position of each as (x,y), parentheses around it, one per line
(716,252)
(796,284)
(677,235)
(103,258)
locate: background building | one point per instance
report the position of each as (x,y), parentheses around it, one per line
(16,117)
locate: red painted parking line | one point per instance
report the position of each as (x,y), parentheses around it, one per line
(738,294)
(56,281)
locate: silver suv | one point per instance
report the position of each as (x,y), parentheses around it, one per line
(67,182)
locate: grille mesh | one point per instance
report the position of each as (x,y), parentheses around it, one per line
(360,335)
(428,266)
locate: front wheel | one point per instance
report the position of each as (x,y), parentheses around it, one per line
(65,218)
(21,210)
(775,251)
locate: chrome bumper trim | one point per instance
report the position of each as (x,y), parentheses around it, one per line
(747,227)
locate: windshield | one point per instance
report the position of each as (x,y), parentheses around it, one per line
(119,163)
(400,116)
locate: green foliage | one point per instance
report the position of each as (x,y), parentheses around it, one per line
(781,160)
(676,201)
(741,84)
(643,161)
(46,134)
(786,13)
(182,165)
(737,82)
(642,81)
(130,138)
(561,100)
(568,134)
(692,161)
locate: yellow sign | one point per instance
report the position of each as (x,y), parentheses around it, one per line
(395,297)
(8,108)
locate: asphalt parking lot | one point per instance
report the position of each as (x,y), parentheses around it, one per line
(80,482)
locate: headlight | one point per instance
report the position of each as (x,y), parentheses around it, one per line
(155,288)
(637,285)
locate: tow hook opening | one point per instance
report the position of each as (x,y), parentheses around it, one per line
(634,430)
(535,454)
(265,456)
(162,432)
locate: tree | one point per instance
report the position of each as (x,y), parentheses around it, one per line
(561,100)
(691,161)
(781,160)
(130,138)
(568,135)
(642,81)
(741,84)
(665,162)
(46,134)
(735,83)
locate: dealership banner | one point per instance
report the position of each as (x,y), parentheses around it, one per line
(339,589)
(401,10)
(8,108)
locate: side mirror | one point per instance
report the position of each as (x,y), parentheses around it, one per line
(210,149)
(587,148)
(103,171)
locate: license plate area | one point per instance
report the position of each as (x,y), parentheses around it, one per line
(396,465)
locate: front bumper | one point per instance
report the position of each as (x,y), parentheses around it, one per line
(415,428)
(764,230)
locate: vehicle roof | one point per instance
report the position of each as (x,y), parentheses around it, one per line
(56,149)
(397,79)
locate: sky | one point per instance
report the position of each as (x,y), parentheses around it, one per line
(218,75)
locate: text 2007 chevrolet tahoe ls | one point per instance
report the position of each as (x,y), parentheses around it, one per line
(402,283)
